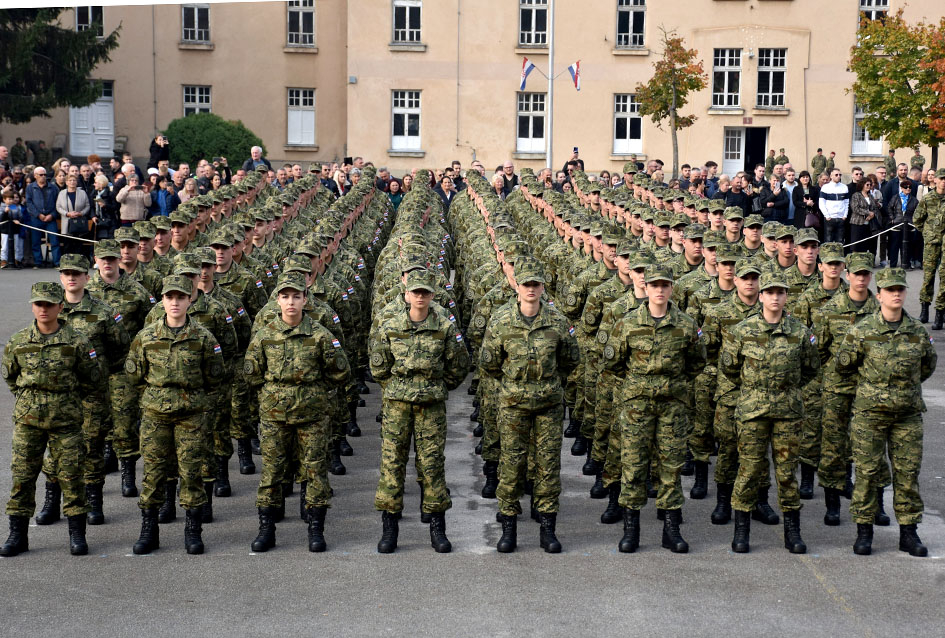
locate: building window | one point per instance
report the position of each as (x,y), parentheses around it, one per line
(628,125)
(407,21)
(533,23)
(530,136)
(301,31)
(874,10)
(405,120)
(301,117)
(726,77)
(631,15)
(863,144)
(771,65)
(90,18)
(196,23)
(196,99)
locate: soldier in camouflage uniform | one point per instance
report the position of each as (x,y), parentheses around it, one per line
(890,355)
(47,367)
(417,356)
(147,257)
(929,219)
(300,366)
(917,160)
(529,348)
(770,357)
(128,238)
(818,164)
(179,363)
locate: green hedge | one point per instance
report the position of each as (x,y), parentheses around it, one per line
(206,135)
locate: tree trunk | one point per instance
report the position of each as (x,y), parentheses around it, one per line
(672,130)
(935,156)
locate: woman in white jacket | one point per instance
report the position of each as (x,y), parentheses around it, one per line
(73,207)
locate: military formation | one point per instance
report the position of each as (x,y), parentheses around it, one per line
(656,330)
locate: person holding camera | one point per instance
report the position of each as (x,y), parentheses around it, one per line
(134,201)
(160,151)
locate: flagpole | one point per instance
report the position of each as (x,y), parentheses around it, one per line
(551,83)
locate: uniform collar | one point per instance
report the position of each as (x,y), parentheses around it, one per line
(305,327)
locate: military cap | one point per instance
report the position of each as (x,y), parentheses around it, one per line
(640,259)
(607,195)
(713,239)
(244,221)
(186,264)
(716,206)
(220,237)
(203,201)
(624,248)
(859,262)
(159,222)
(126,234)
(215,197)
(206,255)
(629,167)
(658,272)
(298,263)
(259,215)
(622,199)
(292,281)
(754,220)
(668,195)
(262,168)
(145,229)
(727,252)
(703,204)
(48,291)
(177,283)
(180,217)
(803,235)
(694,231)
(690,201)
(770,229)
(611,236)
(889,277)
(734,212)
(421,279)
(771,280)
(746,266)
(529,270)
(663,219)
(832,252)
(940,174)
(648,214)
(680,219)
(785,231)
(597,229)
(638,178)
(73,262)
(108,248)
(594,187)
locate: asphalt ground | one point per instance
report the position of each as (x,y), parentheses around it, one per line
(351,590)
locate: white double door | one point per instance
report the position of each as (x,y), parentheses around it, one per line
(92,129)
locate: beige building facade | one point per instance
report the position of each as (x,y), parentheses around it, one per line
(405,83)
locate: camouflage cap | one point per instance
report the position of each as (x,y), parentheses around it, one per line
(668,195)
(640,259)
(597,229)
(940,173)
(859,262)
(754,220)
(716,206)
(771,280)
(804,235)
(180,217)
(292,281)
(890,277)
(262,168)
(48,291)
(648,214)
(160,222)
(680,219)
(186,264)
(785,231)
(594,187)
(145,229)
(126,234)
(203,201)
(727,252)
(529,270)
(611,236)
(298,263)
(215,197)
(630,167)
(107,248)
(746,266)
(694,231)
(177,283)
(832,252)
(712,239)
(73,262)
(703,204)
(663,219)
(733,212)
(658,272)
(206,255)
(770,229)
(624,248)
(221,237)
(420,279)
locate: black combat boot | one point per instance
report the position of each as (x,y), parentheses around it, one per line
(597,489)
(631,532)
(150,537)
(93,494)
(335,466)
(651,491)
(18,540)
(547,539)
(806,488)
(193,528)
(254,445)
(742,532)
(762,512)
(847,491)
(533,513)
(491,470)
(687,468)
(303,508)
(206,512)
(49,513)
(478,448)
(128,488)
(77,544)
(266,539)
(792,533)
(478,431)
(909,541)
(168,510)
(474,416)
(832,499)
(362,386)
(939,319)
(924,313)
(473,387)
(700,486)
(672,539)
(438,540)
(579,447)
(590,465)
(244,453)
(391,529)
(316,529)
(222,487)
(352,428)
(613,513)
(344,448)
(508,541)
(573,429)
(110,458)
(863,545)
(881,518)
(722,513)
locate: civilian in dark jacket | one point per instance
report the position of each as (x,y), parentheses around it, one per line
(104,209)
(160,150)
(774,202)
(900,210)
(737,197)
(805,198)
(41,198)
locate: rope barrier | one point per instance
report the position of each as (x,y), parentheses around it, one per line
(871,237)
(49,232)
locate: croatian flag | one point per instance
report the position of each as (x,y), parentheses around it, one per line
(575,71)
(527,67)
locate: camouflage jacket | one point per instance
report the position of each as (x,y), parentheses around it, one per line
(241,283)
(832,321)
(213,316)
(716,330)
(151,279)
(597,301)
(103,327)
(242,324)
(129,299)
(929,217)
(813,299)
(689,284)
(577,293)
(796,281)
(613,312)
(709,295)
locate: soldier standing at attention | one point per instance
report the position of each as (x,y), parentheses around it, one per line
(417,356)
(529,348)
(300,366)
(178,362)
(662,349)
(917,160)
(890,162)
(818,164)
(891,354)
(47,367)
(770,356)
(929,220)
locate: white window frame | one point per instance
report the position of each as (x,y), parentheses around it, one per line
(632,9)
(772,61)
(728,63)
(405,109)
(194,34)
(94,15)
(197,98)
(532,37)
(410,33)
(863,143)
(300,117)
(873,10)
(299,37)
(627,111)
(531,111)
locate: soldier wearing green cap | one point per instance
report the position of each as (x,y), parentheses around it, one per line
(162,237)
(691,256)
(733,216)
(691,282)
(148,258)
(929,219)
(236,279)
(751,231)
(888,355)
(48,367)
(796,261)
(128,238)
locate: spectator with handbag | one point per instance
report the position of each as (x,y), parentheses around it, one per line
(866,216)
(73,207)
(104,209)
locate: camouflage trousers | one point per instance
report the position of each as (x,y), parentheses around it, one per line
(488,417)
(124,403)
(281,445)
(811,425)
(931,260)
(244,405)
(754,437)
(574,392)
(96,424)
(427,423)
(66,448)
(871,433)
(701,441)
(835,450)
(219,419)
(173,446)
(725,433)
(604,415)
(589,393)
(653,426)
(518,428)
